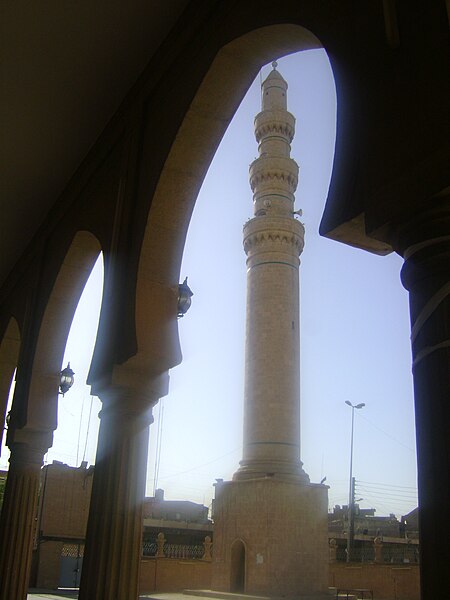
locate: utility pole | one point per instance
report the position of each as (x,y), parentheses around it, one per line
(351,520)
(351,493)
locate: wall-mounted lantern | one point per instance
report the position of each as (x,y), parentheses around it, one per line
(66,379)
(7,420)
(184,298)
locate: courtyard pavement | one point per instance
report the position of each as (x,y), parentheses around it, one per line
(50,594)
(57,595)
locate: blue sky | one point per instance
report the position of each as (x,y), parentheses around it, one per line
(354,331)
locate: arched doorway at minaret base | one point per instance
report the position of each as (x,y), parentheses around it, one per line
(237,567)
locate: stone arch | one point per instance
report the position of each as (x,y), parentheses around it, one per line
(9,356)
(217,99)
(238,566)
(41,406)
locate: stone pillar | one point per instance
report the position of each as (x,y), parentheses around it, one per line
(17,523)
(424,242)
(378,550)
(161,540)
(332,545)
(207,544)
(114,534)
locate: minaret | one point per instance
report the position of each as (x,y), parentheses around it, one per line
(270,521)
(273,242)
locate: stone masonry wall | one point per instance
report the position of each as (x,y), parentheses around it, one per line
(388,582)
(171,575)
(283,526)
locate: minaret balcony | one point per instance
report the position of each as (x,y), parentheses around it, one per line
(277,173)
(274,122)
(274,235)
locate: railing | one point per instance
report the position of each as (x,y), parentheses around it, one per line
(378,552)
(408,554)
(183,551)
(149,548)
(161,549)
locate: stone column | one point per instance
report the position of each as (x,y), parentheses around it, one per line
(424,242)
(114,534)
(18,520)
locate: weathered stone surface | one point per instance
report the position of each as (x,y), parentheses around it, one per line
(283,527)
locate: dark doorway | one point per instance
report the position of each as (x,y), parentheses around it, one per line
(237,583)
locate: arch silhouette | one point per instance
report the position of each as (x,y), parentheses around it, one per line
(213,107)
(9,356)
(41,407)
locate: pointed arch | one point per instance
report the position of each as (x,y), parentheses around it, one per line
(39,406)
(9,356)
(213,107)
(238,563)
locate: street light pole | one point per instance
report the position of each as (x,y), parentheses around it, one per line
(351,484)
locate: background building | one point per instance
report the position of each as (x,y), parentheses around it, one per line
(61,525)
(365,522)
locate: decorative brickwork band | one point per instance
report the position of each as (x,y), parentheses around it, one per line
(274,123)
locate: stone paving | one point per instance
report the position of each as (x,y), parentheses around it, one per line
(57,595)
(51,594)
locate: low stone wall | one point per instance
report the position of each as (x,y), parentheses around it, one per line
(48,565)
(388,582)
(172,575)
(159,574)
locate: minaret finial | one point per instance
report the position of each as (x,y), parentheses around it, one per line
(274,65)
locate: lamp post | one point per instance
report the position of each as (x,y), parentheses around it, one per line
(351,485)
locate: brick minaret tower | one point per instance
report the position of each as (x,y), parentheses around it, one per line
(270,522)
(273,241)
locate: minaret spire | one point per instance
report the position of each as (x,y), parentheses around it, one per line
(273,241)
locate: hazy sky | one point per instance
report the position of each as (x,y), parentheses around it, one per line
(354,332)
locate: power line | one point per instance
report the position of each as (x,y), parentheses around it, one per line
(200,466)
(399,500)
(379,503)
(388,493)
(391,501)
(389,485)
(388,496)
(387,434)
